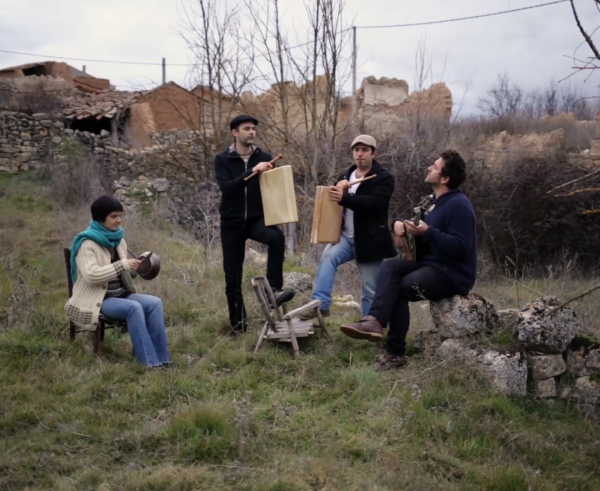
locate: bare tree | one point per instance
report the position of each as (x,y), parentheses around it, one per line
(503,100)
(295,89)
(222,70)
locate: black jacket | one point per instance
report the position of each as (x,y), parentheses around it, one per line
(372,236)
(241,201)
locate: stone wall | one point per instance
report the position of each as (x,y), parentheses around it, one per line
(25,140)
(550,357)
(386,91)
(386,108)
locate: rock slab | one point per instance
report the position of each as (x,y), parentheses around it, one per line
(542,328)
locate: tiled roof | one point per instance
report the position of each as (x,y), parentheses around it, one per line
(104,104)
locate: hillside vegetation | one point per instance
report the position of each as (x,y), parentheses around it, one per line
(224,418)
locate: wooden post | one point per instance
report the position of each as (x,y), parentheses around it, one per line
(354,57)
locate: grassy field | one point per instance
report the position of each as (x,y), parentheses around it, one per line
(223,418)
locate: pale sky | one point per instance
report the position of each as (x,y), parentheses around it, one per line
(531,46)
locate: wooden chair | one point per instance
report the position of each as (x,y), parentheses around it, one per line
(281,325)
(103,322)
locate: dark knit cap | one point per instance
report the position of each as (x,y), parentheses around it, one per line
(242,118)
(104,206)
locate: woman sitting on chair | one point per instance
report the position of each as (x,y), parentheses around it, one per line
(102,278)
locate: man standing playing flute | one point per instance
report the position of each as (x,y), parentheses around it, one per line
(366,236)
(242,216)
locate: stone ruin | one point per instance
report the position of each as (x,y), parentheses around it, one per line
(549,357)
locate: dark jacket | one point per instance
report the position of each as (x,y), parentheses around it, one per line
(451,240)
(372,236)
(241,201)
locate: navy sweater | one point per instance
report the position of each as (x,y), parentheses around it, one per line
(451,240)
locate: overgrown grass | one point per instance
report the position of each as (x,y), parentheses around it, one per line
(224,418)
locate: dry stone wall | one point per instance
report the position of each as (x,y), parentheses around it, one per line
(25,140)
(549,357)
(138,175)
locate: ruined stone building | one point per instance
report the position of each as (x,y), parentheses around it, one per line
(53,75)
(287,110)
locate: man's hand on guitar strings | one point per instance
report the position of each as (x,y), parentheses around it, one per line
(414,230)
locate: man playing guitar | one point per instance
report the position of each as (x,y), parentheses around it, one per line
(446,265)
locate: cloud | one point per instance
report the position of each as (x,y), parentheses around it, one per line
(530,46)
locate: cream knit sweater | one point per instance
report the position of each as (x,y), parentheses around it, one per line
(94,271)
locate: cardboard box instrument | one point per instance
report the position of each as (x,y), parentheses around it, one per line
(328,216)
(278,196)
(327,219)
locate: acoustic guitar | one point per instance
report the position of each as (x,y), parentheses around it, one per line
(412,246)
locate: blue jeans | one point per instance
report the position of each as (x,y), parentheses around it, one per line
(146,324)
(335,255)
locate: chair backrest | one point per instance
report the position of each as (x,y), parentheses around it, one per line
(265,295)
(67,253)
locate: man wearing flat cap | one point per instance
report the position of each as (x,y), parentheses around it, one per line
(366,236)
(242,215)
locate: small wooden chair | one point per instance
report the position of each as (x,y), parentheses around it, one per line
(281,325)
(103,322)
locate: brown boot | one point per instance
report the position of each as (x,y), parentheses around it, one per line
(388,361)
(313,315)
(369,328)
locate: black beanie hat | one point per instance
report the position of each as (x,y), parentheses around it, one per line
(104,206)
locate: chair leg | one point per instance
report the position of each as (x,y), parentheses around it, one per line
(322,324)
(96,336)
(71,331)
(293,338)
(261,337)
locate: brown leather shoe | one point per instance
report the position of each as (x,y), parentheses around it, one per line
(313,315)
(388,361)
(368,328)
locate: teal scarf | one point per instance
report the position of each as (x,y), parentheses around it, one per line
(100,235)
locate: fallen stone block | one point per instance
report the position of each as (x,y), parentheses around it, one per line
(546,366)
(345,302)
(543,329)
(505,370)
(583,357)
(586,390)
(459,317)
(299,282)
(545,388)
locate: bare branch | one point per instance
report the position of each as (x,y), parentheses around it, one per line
(593,173)
(585,35)
(585,293)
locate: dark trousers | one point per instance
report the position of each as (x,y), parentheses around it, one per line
(233,242)
(402,281)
